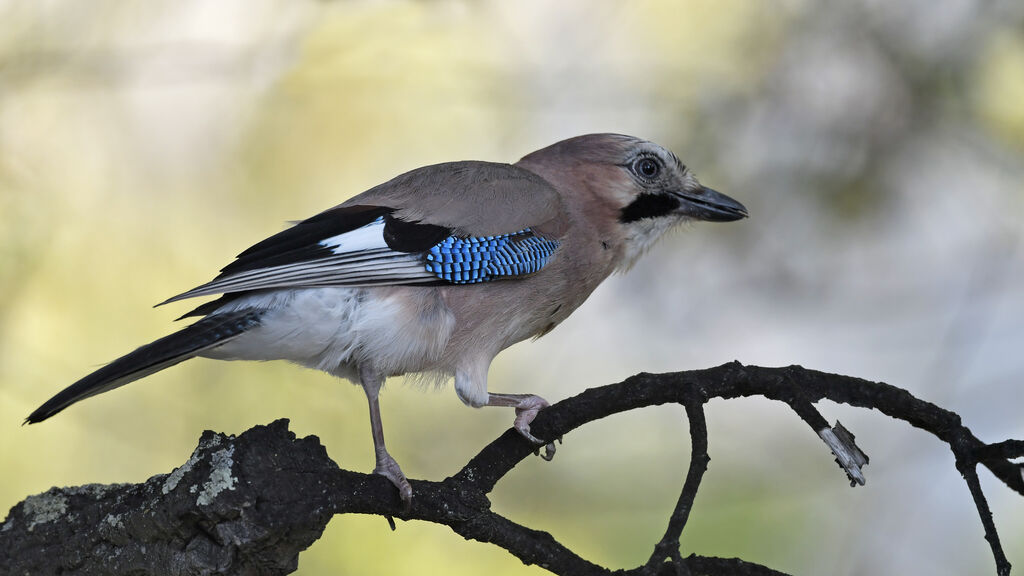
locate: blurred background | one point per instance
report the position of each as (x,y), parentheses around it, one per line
(878,145)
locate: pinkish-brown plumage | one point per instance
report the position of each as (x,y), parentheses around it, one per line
(358,290)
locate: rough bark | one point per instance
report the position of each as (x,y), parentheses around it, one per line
(250,504)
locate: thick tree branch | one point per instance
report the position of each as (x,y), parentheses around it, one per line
(250,504)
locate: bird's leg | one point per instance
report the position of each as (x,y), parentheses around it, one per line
(527,406)
(386,465)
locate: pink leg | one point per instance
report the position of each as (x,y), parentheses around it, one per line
(527,406)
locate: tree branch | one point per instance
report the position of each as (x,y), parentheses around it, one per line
(250,504)
(667,549)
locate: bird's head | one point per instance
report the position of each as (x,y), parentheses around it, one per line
(635,186)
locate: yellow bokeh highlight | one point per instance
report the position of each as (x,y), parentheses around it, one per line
(1000,89)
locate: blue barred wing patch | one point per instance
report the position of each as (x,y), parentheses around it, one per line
(485,258)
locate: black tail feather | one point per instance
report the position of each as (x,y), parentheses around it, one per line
(153,357)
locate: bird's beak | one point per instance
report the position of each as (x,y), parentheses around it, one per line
(710,205)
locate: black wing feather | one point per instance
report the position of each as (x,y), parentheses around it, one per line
(405,236)
(301,242)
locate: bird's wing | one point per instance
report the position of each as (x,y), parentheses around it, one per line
(470,198)
(459,223)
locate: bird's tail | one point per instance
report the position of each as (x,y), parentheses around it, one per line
(153,357)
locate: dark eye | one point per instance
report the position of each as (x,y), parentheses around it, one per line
(646,168)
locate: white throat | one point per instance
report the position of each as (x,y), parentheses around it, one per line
(641,235)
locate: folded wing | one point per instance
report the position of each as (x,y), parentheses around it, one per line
(373,240)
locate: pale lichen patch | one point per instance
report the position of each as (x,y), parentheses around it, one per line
(178,473)
(45,507)
(220,477)
(175,477)
(114,521)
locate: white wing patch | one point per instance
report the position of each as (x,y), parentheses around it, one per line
(356,258)
(368,237)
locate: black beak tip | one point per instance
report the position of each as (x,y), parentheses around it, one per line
(718,207)
(730,216)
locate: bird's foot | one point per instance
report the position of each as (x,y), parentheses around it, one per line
(527,406)
(388,468)
(526,410)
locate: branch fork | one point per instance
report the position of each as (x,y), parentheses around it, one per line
(250,504)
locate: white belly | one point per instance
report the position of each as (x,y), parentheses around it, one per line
(395,329)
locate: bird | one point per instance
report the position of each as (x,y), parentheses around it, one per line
(434,272)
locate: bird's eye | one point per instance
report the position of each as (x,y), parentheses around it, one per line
(646,168)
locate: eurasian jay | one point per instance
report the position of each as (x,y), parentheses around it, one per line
(434,271)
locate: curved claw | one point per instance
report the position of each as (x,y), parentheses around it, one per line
(388,468)
(549,452)
(524,431)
